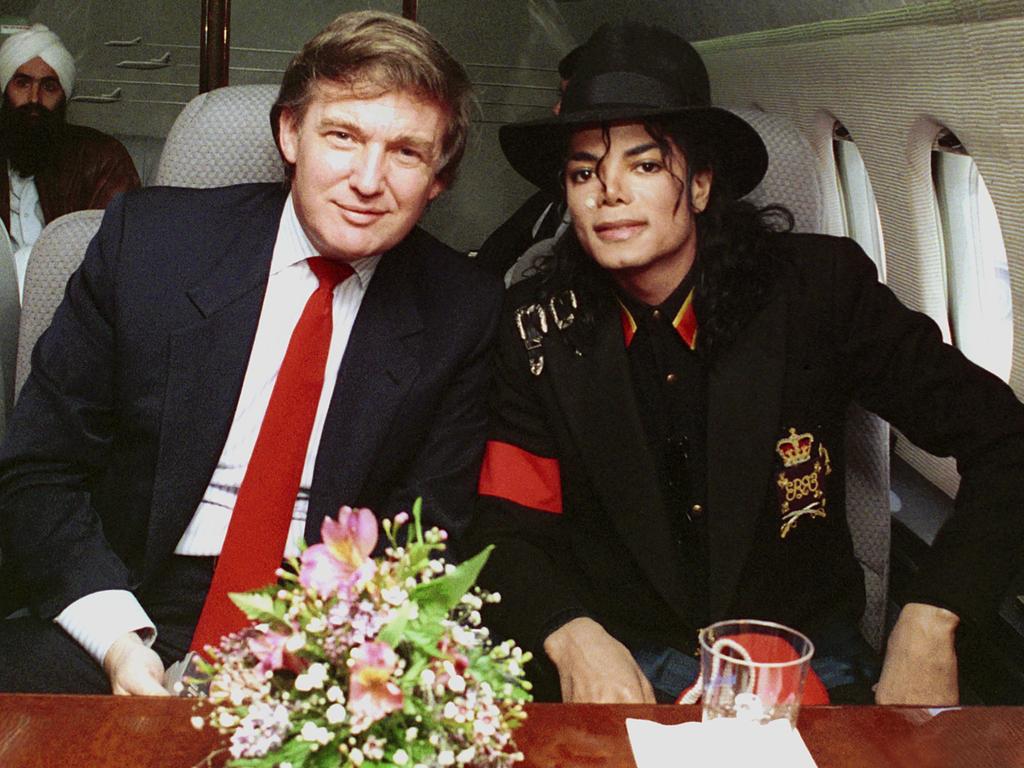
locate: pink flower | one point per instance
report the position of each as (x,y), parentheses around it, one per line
(352,537)
(372,693)
(343,558)
(271,649)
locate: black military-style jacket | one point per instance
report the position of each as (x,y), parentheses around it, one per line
(569,494)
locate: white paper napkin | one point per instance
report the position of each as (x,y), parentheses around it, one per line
(722,743)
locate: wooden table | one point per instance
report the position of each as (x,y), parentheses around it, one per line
(104,731)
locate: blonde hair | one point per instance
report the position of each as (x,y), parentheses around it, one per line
(376,52)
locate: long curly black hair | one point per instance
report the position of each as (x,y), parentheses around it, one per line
(736,266)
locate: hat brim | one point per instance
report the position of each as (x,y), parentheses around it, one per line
(536,148)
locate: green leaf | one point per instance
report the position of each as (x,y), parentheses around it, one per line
(293,751)
(412,675)
(258,606)
(426,629)
(417,518)
(394,631)
(448,590)
(325,757)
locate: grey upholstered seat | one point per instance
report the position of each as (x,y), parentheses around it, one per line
(793,181)
(55,255)
(222,137)
(792,177)
(10,311)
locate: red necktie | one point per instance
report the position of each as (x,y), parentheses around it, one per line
(255,540)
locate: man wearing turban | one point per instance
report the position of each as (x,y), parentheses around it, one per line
(52,167)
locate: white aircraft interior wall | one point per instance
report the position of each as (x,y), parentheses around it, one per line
(894,84)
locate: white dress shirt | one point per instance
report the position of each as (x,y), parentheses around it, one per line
(26,220)
(98,619)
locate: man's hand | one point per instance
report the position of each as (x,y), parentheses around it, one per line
(920,659)
(595,667)
(133,668)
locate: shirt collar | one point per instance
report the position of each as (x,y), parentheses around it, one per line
(292,246)
(18,182)
(677,309)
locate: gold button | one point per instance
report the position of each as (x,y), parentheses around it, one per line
(696,512)
(671,378)
(656,314)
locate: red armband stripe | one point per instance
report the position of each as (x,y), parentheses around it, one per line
(509,472)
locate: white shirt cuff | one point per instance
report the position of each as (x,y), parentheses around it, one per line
(98,619)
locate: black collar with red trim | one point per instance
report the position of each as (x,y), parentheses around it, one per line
(677,310)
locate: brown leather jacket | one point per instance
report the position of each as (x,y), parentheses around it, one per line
(92,167)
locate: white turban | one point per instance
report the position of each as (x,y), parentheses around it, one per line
(35,41)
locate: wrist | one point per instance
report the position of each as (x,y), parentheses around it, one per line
(119,648)
(563,640)
(929,620)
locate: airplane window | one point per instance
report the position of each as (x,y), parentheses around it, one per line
(977,276)
(860,211)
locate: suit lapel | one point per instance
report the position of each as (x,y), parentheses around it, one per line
(379,366)
(207,359)
(595,392)
(744,401)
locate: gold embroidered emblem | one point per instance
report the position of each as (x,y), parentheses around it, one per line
(801,483)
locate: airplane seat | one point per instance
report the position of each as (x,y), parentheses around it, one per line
(793,181)
(222,137)
(145,152)
(10,313)
(55,255)
(792,177)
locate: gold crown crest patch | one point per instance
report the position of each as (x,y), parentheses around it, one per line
(801,483)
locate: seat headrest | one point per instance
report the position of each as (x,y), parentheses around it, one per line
(222,137)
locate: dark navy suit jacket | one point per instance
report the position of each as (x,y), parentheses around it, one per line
(133,389)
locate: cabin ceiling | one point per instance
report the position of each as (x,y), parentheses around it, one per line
(695,19)
(705,19)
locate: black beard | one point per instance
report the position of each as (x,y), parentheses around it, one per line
(30,135)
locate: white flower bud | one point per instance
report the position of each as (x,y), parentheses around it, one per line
(314,677)
(314,733)
(356,757)
(336,714)
(401,757)
(465,756)
(446,757)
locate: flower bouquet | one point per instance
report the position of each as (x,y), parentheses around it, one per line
(355,661)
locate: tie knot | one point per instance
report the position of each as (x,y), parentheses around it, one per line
(329,272)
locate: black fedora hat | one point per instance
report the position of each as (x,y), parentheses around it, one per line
(631,71)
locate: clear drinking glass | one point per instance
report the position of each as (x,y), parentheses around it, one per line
(753,671)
